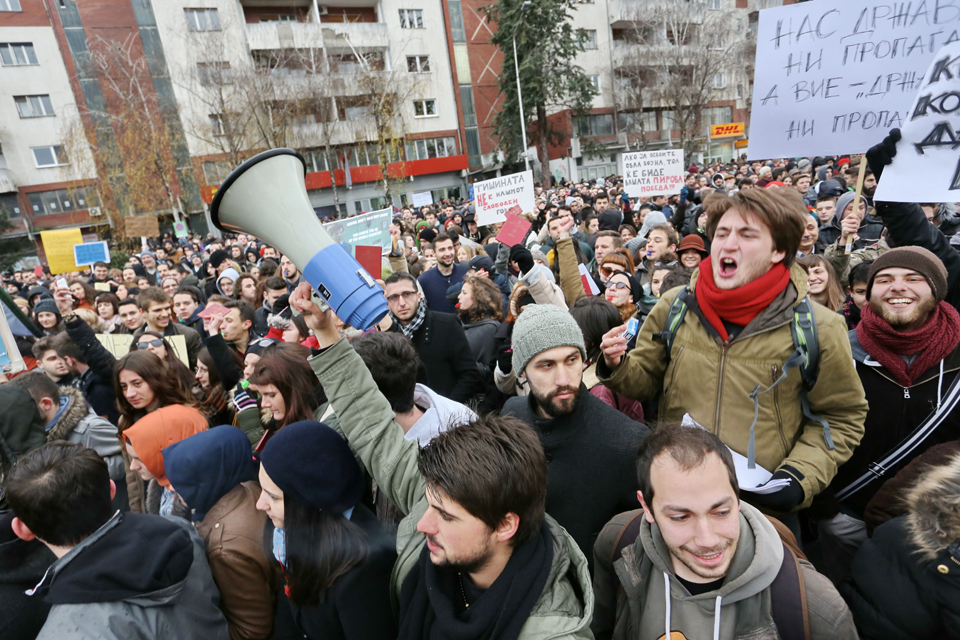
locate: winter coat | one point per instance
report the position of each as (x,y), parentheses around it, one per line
(843,262)
(480,335)
(137,576)
(699,362)
(895,411)
(358,603)
(870,229)
(435,285)
(96,383)
(22,565)
(445,353)
(905,582)
(565,606)
(596,441)
(631,598)
(195,322)
(81,425)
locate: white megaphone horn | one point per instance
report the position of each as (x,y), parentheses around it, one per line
(266,197)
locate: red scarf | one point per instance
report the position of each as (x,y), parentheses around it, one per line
(932,342)
(741,305)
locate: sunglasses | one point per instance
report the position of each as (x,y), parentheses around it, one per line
(150,343)
(617,285)
(265,342)
(609,271)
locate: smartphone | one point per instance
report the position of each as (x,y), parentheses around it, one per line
(62,283)
(633,326)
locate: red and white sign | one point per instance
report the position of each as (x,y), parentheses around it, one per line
(653,173)
(494,198)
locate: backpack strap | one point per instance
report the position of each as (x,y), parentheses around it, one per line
(807,345)
(788,598)
(678,309)
(627,536)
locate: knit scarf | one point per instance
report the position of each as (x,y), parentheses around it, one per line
(411,328)
(932,342)
(431,596)
(741,305)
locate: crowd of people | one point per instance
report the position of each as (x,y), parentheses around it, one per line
(749,432)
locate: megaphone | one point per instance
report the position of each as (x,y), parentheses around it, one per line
(266,197)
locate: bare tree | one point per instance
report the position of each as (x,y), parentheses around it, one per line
(677,57)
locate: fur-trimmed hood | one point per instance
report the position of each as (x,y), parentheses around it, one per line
(77,409)
(933,520)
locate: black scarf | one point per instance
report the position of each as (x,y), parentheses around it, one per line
(430,596)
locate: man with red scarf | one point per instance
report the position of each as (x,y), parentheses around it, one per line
(727,356)
(907,357)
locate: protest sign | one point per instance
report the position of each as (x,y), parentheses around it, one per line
(371,259)
(495,197)
(141,227)
(90,252)
(927,165)
(10,359)
(370,229)
(834,76)
(102,286)
(514,230)
(58,246)
(180,229)
(118,345)
(422,199)
(649,173)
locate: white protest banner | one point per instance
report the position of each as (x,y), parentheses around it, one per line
(422,199)
(494,197)
(834,76)
(926,167)
(368,230)
(649,173)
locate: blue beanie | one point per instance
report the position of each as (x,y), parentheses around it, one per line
(314,465)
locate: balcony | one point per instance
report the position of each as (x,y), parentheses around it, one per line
(311,35)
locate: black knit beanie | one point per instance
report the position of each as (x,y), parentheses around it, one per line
(314,465)
(916,259)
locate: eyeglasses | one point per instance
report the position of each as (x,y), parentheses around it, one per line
(609,271)
(617,285)
(150,343)
(407,296)
(264,342)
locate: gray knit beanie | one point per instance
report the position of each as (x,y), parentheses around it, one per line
(541,327)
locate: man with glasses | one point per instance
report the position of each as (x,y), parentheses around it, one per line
(438,338)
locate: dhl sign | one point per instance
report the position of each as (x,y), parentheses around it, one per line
(727,130)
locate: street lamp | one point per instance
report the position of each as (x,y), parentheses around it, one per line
(516,68)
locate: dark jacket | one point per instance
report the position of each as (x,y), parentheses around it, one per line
(22,565)
(870,229)
(435,286)
(597,442)
(358,603)
(894,412)
(905,582)
(195,322)
(137,576)
(445,353)
(481,336)
(97,383)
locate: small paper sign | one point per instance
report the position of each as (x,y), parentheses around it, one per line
(88,253)
(213,309)
(514,230)
(102,286)
(370,259)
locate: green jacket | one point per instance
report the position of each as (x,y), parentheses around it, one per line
(712,382)
(565,607)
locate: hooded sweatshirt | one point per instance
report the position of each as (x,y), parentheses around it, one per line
(137,576)
(230,274)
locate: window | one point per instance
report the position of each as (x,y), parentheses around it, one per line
(469,109)
(16,54)
(424,108)
(9,206)
(456,21)
(716,42)
(418,64)
(430,148)
(635,122)
(317,160)
(216,172)
(669,120)
(44,203)
(595,81)
(34,106)
(717,81)
(594,125)
(411,19)
(202,19)
(9,5)
(283,17)
(52,156)
(214,73)
(216,124)
(714,115)
(589,38)
(716,5)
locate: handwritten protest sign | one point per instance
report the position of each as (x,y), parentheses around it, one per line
(647,173)
(833,76)
(90,252)
(927,165)
(141,226)
(495,197)
(370,230)
(58,246)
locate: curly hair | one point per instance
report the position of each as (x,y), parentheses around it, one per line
(487,300)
